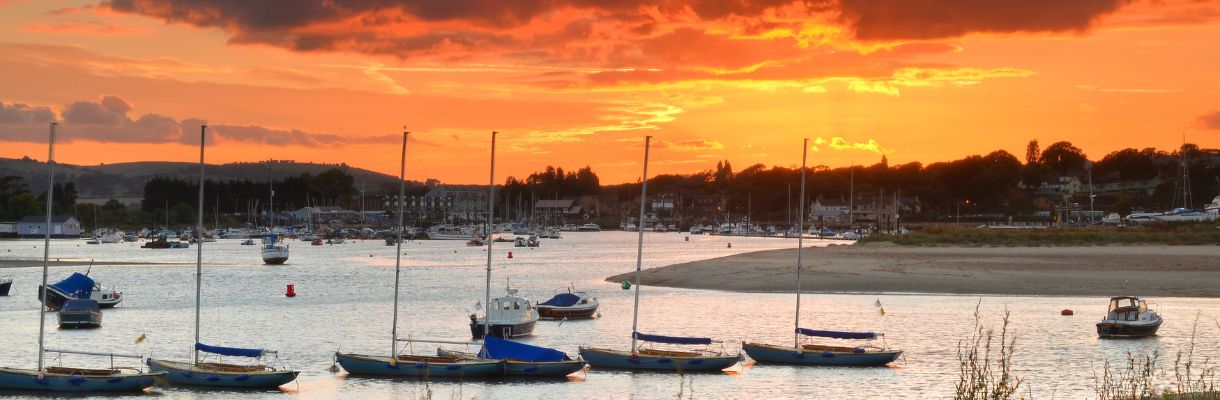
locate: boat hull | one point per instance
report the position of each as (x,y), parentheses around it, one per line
(357,364)
(765,353)
(28,380)
(275,260)
(504,331)
(1119,330)
(4,287)
(56,298)
(613,359)
(180,373)
(547,312)
(80,319)
(557,369)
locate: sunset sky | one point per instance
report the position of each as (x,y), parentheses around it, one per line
(578,82)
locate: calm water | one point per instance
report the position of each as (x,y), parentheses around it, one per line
(344,302)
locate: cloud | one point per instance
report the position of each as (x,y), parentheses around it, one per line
(1210,120)
(839,143)
(107,121)
(87,27)
(930,19)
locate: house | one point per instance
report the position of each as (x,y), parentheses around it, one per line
(8,229)
(824,211)
(61,227)
(556,210)
(1062,185)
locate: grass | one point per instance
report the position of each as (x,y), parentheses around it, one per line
(980,376)
(1142,378)
(1160,233)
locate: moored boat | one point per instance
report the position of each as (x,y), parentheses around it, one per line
(79,286)
(6,283)
(80,313)
(589,228)
(273,251)
(522,360)
(570,305)
(815,354)
(1129,317)
(510,315)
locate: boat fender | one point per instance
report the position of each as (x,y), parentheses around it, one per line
(185,374)
(241,377)
(116,379)
(663,360)
(453,367)
(77,379)
(858,350)
(42,380)
(695,361)
(421,365)
(212,378)
(827,354)
(391,365)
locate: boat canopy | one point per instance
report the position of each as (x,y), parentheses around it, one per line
(562,300)
(229,351)
(837,334)
(80,305)
(672,339)
(496,348)
(78,285)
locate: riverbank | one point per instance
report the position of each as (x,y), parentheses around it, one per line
(56,262)
(1148,270)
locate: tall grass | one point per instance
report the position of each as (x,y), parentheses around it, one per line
(980,376)
(1162,233)
(1143,378)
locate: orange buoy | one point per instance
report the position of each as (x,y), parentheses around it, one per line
(1067,311)
(688,238)
(730,245)
(292,292)
(510,254)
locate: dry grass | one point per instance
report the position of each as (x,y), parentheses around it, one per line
(979,375)
(1167,234)
(1142,378)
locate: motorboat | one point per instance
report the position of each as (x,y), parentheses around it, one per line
(696,229)
(1213,208)
(316,242)
(550,233)
(163,242)
(849,235)
(569,228)
(6,283)
(1129,317)
(570,305)
(1112,219)
(476,242)
(521,360)
(447,232)
(818,354)
(131,237)
(589,228)
(308,237)
(273,251)
(511,316)
(80,286)
(335,240)
(112,236)
(80,313)
(93,240)
(532,241)
(247,242)
(1182,215)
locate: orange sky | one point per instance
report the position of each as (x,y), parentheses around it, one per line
(576,82)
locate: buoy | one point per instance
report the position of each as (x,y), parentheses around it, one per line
(292,292)
(626,285)
(1067,311)
(688,238)
(730,245)
(510,254)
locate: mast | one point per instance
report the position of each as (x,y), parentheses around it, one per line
(46,247)
(199,243)
(639,250)
(851,198)
(270,199)
(402,195)
(491,207)
(800,242)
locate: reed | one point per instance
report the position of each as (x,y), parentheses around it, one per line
(1158,233)
(985,364)
(1140,378)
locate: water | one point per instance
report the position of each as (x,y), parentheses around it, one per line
(344,302)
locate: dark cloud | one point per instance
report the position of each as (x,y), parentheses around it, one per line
(107,121)
(1210,120)
(926,19)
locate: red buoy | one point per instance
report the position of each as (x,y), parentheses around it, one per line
(1067,311)
(730,245)
(510,254)
(292,292)
(688,238)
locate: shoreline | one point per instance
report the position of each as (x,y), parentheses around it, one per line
(874,268)
(37,263)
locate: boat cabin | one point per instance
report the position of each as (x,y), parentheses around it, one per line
(510,308)
(1126,308)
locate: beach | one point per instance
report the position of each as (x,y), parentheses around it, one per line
(1147,270)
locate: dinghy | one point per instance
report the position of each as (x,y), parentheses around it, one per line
(522,360)
(80,313)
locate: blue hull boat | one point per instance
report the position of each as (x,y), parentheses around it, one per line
(221,375)
(658,360)
(542,369)
(75,380)
(819,355)
(521,360)
(409,366)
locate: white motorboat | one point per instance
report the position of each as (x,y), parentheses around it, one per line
(630,227)
(1129,317)
(449,232)
(112,236)
(511,316)
(308,237)
(1213,209)
(590,228)
(273,250)
(1182,215)
(569,228)
(1112,219)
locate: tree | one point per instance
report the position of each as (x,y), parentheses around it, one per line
(23,205)
(1063,158)
(183,214)
(1032,152)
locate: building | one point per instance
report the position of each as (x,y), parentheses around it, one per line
(1062,185)
(61,227)
(824,211)
(8,229)
(555,211)
(1147,186)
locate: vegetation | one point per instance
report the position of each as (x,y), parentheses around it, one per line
(980,376)
(1142,377)
(1158,233)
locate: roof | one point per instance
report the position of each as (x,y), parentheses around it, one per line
(553,204)
(34,219)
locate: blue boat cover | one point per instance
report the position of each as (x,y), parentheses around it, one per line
(229,351)
(836,334)
(78,285)
(80,305)
(561,300)
(672,339)
(494,347)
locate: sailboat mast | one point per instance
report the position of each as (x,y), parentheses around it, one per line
(491,207)
(800,243)
(402,195)
(46,247)
(199,243)
(639,250)
(851,198)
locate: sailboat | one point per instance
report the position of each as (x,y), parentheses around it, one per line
(812,354)
(215,374)
(642,357)
(69,379)
(410,365)
(518,359)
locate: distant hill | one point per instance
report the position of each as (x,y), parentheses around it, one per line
(127,179)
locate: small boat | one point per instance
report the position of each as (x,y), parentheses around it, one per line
(247,242)
(80,313)
(6,283)
(476,242)
(519,242)
(569,228)
(570,305)
(813,354)
(521,360)
(1129,317)
(1112,219)
(532,242)
(511,316)
(639,357)
(395,365)
(391,241)
(334,240)
(93,240)
(80,286)
(309,237)
(273,251)
(162,242)
(589,228)
(130,237)
(315,242)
